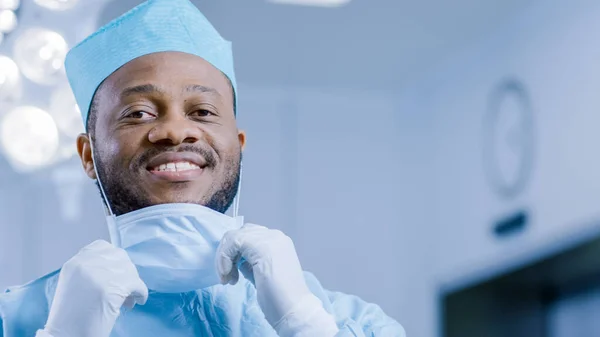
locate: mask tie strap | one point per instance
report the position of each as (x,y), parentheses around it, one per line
(110,217)
(236,200)
(107,204)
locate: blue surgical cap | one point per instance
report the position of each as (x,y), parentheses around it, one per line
(153,26)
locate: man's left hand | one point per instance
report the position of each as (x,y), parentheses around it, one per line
(269,260)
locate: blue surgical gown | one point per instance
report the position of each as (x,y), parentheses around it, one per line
(217,311)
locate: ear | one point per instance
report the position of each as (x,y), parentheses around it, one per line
(242,138)
(84,149)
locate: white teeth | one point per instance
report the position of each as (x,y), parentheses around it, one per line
(183,166)
(177,167)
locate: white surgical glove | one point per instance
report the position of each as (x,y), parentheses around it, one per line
(271,263)
(92,287)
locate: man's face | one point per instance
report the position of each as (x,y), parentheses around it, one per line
(165,133)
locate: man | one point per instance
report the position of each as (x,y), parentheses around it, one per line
(158,97)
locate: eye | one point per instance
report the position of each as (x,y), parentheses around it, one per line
(202,113)
(140,114)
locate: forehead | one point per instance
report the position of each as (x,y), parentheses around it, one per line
(169,70)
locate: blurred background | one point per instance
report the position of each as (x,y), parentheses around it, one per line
(434,157)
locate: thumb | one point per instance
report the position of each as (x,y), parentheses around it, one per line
(227,257)
(138,294)
(227,267)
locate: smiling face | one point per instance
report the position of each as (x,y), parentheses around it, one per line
(165,132)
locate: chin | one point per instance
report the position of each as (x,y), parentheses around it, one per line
(176,198)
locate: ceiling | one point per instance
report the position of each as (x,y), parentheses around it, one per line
(366,44)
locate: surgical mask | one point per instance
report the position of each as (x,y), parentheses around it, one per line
(173,246)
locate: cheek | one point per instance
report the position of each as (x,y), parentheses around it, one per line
(229,147)
(223,140)
(118,151)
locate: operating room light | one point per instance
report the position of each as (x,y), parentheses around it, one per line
(8,20)
(316,3)
(29,136)
(10,4)
(66,113)
(40,53)
(57,5)
(8,17)
(10,80)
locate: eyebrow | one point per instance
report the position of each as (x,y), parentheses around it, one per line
(141,89)
(152,89)
(201,88)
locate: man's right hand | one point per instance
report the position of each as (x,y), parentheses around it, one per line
(92,288)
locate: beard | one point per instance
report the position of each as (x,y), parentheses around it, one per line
(124,196)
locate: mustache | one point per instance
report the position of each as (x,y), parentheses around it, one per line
(207,154)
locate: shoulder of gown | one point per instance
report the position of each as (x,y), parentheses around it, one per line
(24,308)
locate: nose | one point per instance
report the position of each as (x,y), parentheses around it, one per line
(175,129)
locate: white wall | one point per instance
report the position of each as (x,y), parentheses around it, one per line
(553,48)
(360,196)
(444,206)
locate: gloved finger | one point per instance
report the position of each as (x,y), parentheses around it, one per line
(246,269)
(238,244)
(230,275)
(228,256)
(234,275)
(138,292)
(129,302)
(222,262)
(227,268)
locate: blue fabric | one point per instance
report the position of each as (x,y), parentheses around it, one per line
(172,244)
(217,311)
(153,26)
